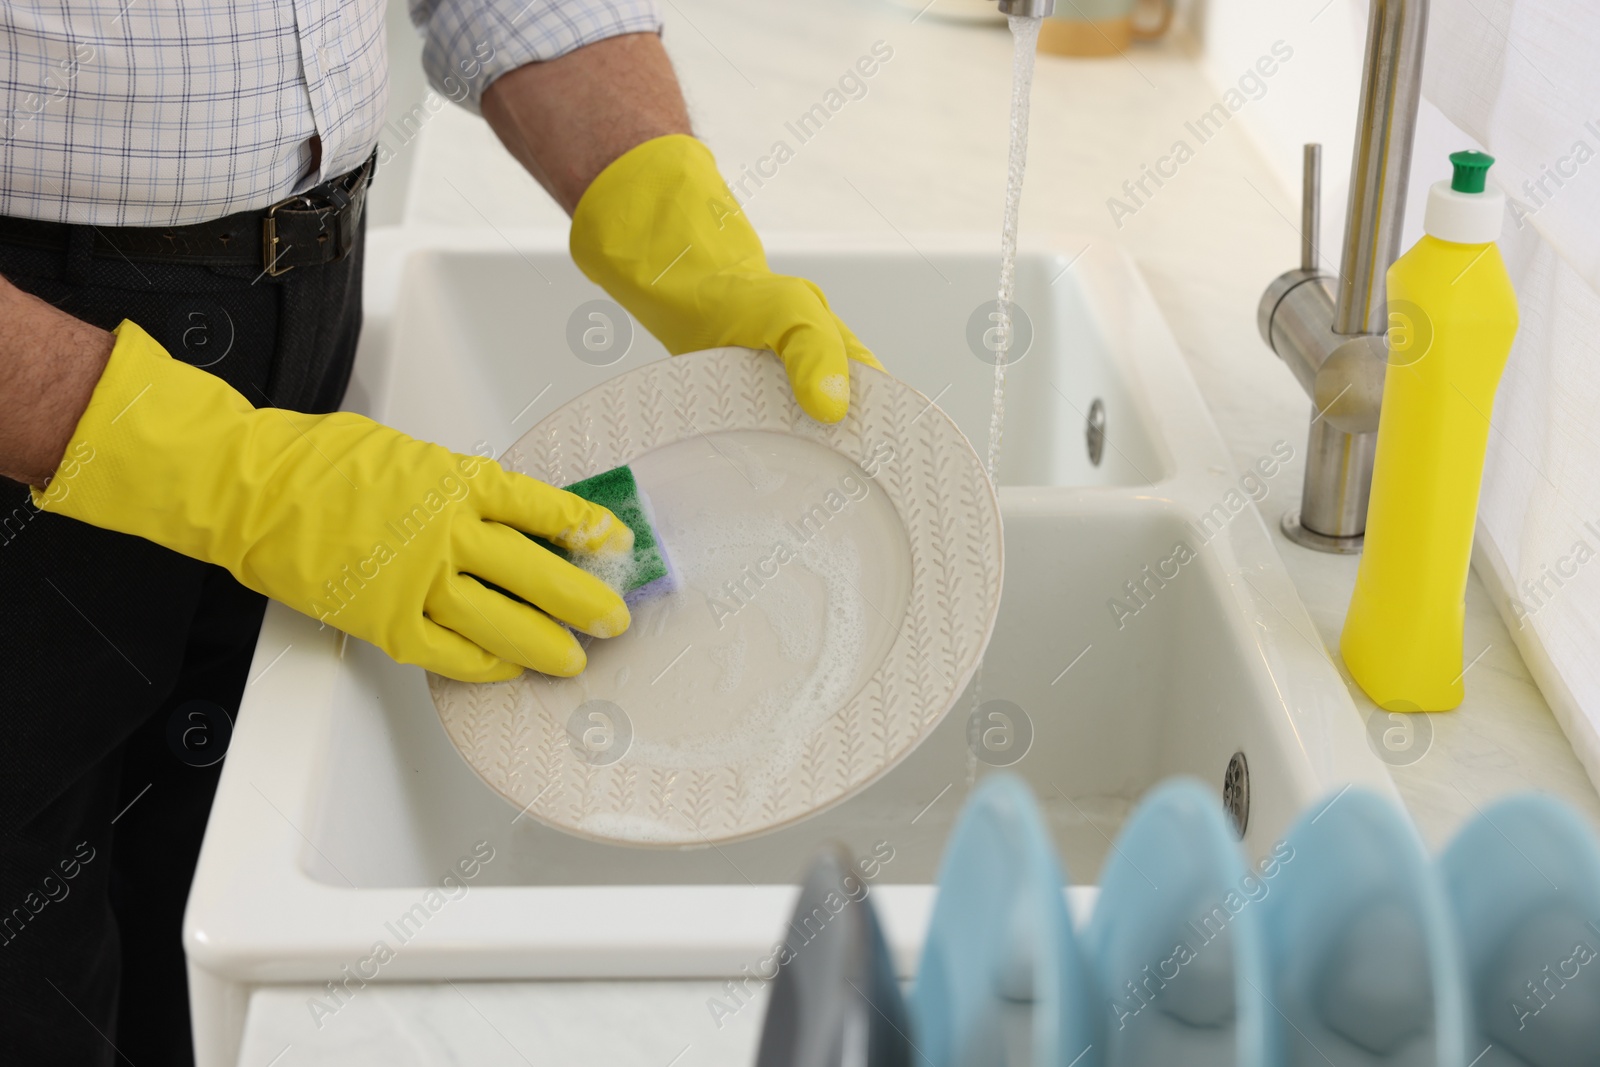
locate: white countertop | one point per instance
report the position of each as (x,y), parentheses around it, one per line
(925,151)
(506,1024)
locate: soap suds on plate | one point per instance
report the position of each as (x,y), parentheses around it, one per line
(616,569)
(788,570)
(729,660)
(758,578)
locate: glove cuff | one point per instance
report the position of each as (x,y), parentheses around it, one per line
(137,458)
(653,225)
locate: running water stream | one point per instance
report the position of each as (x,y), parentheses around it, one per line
(1025,37)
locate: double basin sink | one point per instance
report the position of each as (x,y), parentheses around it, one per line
(1147,629)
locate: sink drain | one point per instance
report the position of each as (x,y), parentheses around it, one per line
(1094,431)
(1236,792)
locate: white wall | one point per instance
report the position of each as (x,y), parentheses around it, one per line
(1312,98)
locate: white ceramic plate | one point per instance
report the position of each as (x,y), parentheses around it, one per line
(836,587)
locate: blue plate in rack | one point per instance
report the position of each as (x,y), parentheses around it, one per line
(1001,979)
(1175,940)
(1365,964)
(1524,885)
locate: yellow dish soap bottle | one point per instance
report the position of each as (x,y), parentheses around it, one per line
(1452,317)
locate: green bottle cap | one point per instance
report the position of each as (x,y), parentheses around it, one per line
(1472,167)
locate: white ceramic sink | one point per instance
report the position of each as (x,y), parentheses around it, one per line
(342,804)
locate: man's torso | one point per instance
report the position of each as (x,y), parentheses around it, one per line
(149,113)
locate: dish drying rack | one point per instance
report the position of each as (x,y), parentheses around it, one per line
(1345,944)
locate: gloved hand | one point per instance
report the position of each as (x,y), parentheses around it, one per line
(660,232)
(341,518)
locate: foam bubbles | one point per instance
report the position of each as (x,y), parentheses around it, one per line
(616,569)
(835,387)
(765,636)
(781,586)
(730,662)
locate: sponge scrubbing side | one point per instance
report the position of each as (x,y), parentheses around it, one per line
(646,570)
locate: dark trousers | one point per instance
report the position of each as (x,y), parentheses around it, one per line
(124,664)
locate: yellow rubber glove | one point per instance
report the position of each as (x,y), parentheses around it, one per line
(341,518)
(660,232)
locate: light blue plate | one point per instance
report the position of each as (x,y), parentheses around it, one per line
(1366,968)
(1524,882)
(1002,981)
(1175,941)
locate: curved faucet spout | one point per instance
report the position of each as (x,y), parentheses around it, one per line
(1029,8)
(1391,84)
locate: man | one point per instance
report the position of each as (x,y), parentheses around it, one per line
(180,229)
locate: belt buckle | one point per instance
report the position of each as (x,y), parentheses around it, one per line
(339,200)
(269,236)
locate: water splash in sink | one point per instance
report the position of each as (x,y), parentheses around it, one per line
(1025,37)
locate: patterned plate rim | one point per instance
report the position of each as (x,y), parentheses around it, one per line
(910,449)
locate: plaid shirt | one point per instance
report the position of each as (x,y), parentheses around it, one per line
(154,113)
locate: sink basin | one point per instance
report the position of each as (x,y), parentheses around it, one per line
(1147,629)
(482,332)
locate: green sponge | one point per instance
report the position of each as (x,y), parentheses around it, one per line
(647,570)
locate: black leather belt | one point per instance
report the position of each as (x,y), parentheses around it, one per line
(308,229)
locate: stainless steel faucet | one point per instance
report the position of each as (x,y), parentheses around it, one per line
(1331,332)
(1031,8)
